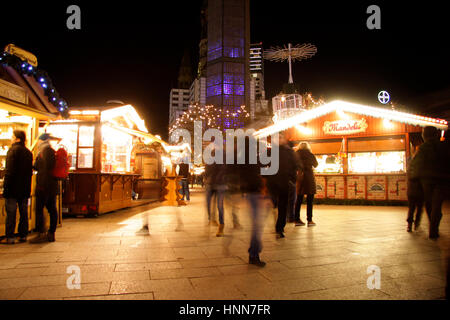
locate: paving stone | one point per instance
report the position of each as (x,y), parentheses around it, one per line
(199,263)
(11,294)
(184,273)
(52,292)
(147,266)
(138,296)
(119,287)
(21,272)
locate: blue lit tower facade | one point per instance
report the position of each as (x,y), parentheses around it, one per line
(227,68)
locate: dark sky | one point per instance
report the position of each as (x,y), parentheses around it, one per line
(131,50)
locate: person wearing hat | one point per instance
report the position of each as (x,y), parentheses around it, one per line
(46,189)
(17,187)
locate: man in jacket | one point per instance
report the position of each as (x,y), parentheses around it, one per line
(184,174)
(286,174)
(46,189)
(17,186)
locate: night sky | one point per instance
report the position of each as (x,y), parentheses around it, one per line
(131,50)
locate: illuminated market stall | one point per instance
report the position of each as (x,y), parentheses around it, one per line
(27,97)
(362,151)
(113,159)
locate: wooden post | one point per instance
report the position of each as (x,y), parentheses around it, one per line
(345,159)
(407,150)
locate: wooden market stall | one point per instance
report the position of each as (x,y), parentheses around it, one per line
(362,151)
(27,98)
(110,150)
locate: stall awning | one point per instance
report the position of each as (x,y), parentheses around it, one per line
(25,110)
(337,105)
(137,133)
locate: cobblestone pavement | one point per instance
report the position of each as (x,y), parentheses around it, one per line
(183,259)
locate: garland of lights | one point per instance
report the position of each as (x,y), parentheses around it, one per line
(316,103)
(40,76)
(210,116)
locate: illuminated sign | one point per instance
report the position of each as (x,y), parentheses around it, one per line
(22,54)
(383,97)
(340,127)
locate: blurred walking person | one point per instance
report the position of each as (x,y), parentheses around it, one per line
(415,196)
(233,194)
(306,183)
(431,166)
(445,151)
(17,186)
(251,186)
(46,189)
(215,186)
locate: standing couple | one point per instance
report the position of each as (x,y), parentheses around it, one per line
(17,188)
(294,180)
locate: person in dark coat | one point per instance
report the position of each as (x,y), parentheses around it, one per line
(292,194)
(431,167)
(306,183)
(46,189)
(17,186)
(445,152)
(279,183)
(184,174)
(415,195)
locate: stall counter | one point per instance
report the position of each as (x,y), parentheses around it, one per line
(97,193)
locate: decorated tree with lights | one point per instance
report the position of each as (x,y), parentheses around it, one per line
(309,101)
(211,117)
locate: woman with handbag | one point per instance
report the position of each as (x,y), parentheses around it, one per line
(306,183)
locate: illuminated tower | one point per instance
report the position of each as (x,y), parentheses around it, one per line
(227,68)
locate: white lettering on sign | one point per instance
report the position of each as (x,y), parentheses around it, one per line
(344,126)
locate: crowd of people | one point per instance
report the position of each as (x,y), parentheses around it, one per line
(286,190)
(428,176)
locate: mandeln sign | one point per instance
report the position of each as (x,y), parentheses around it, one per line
(345,126)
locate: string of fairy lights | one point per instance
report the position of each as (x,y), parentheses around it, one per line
(316,103)
(40,76)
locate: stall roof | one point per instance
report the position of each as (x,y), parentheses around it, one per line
(125,115)
(339,105)
(29,87)
(141,134)
(124,118)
